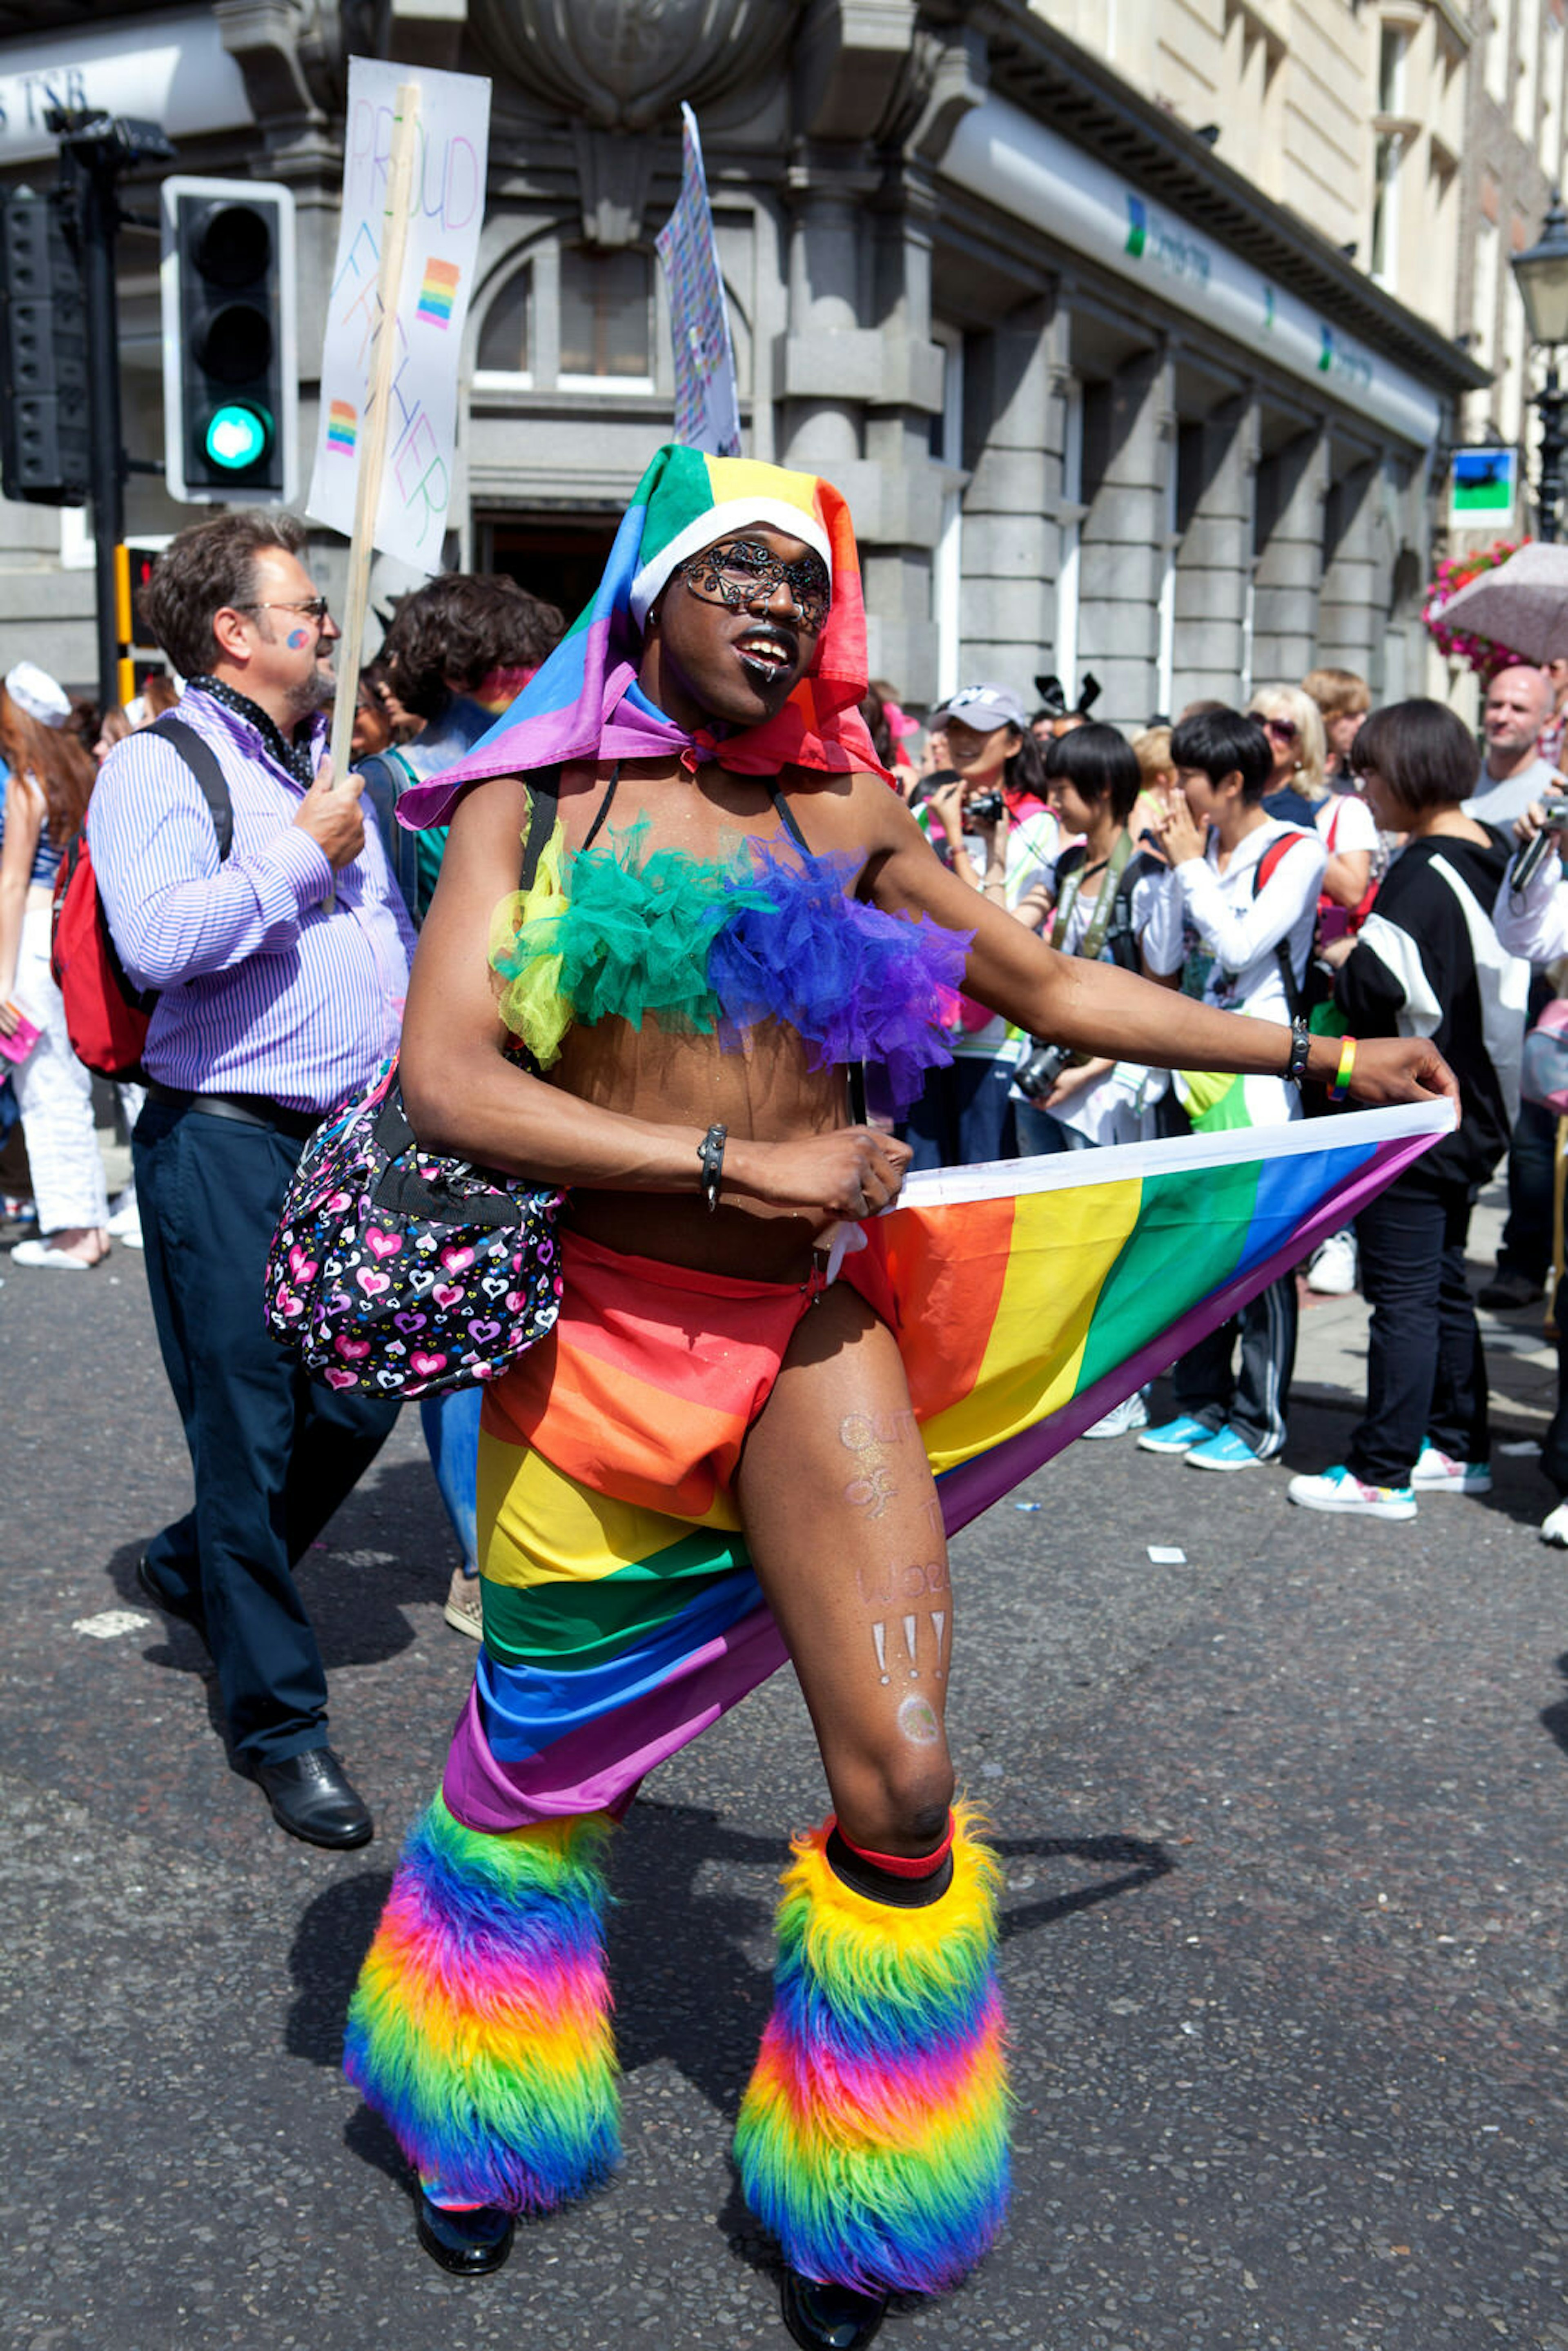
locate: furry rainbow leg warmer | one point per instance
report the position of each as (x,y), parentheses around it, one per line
(872,2138)
(480,2026)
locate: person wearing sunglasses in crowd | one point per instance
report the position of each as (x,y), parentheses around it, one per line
(282,968)
(1298,781)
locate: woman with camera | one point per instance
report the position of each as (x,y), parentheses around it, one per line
(986,818)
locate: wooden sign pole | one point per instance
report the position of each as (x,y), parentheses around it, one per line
(372,456)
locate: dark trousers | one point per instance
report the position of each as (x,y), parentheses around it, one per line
(964,1115)
(272,1454)
(1425,1371)
(1251,1398)
(1526,1246)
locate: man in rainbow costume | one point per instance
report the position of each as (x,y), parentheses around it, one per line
(717,1460)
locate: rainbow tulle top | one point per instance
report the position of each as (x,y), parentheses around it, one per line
(770,933)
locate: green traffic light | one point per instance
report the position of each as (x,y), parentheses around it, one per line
(237,436)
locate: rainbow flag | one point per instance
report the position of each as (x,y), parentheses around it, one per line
(437,293)
(1029,1297)
(342,427)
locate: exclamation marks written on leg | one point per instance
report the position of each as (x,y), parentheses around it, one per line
(909,1623)
(939,1619)
(879,1635)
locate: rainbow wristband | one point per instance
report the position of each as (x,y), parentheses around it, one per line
(1341,1076)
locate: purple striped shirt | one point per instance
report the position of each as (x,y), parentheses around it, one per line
(262,991)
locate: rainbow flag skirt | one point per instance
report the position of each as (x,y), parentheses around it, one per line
(622,1616)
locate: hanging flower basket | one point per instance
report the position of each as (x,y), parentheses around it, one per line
(1457,571)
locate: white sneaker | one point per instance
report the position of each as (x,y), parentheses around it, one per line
(1554,1528)
(1440,1473)
(45,1254)
(1121,1418)
(465,1610)
(1341,1490)
(1331,1273)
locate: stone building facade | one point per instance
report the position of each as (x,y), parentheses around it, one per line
(1075,331)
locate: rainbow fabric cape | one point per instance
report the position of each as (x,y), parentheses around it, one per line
(584,702)
(1032,1296)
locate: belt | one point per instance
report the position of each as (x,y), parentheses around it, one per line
(245,1110)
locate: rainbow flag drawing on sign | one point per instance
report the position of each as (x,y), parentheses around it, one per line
(1032,1296)
(437,293)
(342,428)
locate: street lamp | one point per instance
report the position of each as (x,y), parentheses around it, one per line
(1541,273)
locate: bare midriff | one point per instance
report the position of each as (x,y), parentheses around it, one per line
(763,1092)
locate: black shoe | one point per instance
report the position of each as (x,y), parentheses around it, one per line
(189,1611)
(830,2317)
(311,1797)
(468,2244)
(1506,1289)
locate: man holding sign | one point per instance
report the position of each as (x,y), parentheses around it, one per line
(282,956)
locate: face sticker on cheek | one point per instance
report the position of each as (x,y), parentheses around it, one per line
(298,640)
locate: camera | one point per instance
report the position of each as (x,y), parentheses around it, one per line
(986,808)
(1041,1066)
(1553,815)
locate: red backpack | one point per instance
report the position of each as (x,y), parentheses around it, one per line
(106,1017)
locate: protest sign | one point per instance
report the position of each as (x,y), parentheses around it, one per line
(445,213)
(708,413)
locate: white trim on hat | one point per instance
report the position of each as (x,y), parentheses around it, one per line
(775,513)
(32,689)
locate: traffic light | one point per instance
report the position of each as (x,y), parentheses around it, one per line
(231,394)
(45,445)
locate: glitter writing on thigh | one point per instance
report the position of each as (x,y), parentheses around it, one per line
(866,1435)
(881,1587)
(879,1635)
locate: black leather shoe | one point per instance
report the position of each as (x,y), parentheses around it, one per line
(830,2317)
(189,1611)
(311,1797)
(468,2244)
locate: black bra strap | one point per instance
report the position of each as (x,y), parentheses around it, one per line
(602,810)
(786,816)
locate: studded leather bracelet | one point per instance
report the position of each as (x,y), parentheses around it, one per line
(710,1151)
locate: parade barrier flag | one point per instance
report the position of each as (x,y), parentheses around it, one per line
(1032,1295)
(415,148)
(707,411)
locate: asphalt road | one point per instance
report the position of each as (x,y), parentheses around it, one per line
(1283,1827)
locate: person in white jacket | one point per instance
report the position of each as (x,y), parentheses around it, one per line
(1249,886)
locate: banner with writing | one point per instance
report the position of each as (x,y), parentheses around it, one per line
(707,412)
(446,216)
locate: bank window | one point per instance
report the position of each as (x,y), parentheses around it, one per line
(606,317)
(504,338)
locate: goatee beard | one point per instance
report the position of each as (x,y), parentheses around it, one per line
(315,693)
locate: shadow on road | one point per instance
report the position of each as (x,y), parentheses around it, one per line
(1554,1719)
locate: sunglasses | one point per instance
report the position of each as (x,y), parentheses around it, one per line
(739,574)
(1285,728)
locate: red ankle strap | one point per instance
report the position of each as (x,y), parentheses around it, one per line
(898,1864)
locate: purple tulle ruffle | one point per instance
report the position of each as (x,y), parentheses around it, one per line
(858,984)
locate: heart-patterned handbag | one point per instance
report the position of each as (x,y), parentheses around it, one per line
(400,1271)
